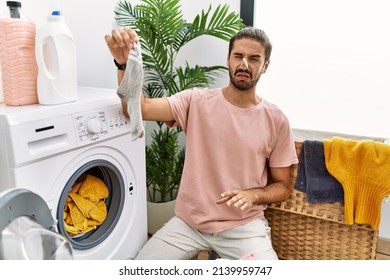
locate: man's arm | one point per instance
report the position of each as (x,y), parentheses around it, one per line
(153,109)
(120,43)
(278,190)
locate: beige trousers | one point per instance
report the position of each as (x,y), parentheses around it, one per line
(177,241)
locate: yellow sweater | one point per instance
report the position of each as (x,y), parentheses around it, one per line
(363,169)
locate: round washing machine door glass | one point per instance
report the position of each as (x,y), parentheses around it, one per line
(90,204)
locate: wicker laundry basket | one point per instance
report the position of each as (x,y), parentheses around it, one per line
(315,231)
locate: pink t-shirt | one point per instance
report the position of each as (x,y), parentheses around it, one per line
(226,148)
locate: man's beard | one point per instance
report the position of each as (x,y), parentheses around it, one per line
(243,85)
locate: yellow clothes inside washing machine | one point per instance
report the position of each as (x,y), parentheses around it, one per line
(85,208)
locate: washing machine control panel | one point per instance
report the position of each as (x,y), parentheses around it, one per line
(100,124)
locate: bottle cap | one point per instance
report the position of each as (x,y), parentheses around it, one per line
(14,4)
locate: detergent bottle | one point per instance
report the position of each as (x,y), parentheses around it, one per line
(56,58)
(17,57)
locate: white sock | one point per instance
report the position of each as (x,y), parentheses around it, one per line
(130,90)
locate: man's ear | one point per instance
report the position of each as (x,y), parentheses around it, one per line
(265,67)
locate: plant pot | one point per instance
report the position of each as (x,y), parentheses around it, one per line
(159,214)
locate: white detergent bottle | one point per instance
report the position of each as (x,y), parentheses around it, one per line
(56,58)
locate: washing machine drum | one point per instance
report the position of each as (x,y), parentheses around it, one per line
(91,204)
(26,229)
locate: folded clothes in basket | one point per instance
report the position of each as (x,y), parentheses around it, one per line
(363,169)
(313,178)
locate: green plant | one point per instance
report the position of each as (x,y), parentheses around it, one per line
(164,164)
(163,32)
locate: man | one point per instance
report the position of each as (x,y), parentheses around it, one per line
(232,134)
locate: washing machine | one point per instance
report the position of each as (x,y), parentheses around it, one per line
(46,150)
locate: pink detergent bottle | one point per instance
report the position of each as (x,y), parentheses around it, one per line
(19,69)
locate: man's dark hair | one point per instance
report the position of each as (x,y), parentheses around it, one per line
(255,34)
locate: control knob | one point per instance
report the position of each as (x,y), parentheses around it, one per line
(94,126)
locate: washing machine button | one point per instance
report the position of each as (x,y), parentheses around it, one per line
(94,126)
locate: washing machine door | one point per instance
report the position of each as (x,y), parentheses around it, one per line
(26,229)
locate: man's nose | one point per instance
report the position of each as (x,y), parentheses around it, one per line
(245,63)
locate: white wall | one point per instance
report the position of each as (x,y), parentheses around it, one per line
(330,66)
